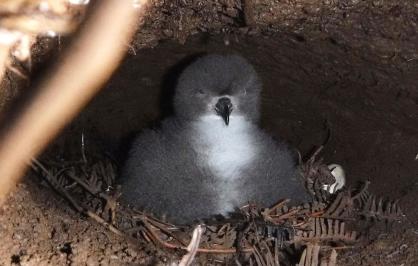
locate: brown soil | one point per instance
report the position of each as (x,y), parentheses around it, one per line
(346,70)
(38,228)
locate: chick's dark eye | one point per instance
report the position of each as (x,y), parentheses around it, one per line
(200,92)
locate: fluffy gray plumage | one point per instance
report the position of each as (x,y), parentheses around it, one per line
(196,165)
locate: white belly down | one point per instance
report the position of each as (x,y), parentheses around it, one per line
(226,151)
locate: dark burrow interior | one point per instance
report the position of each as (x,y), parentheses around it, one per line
(314,93)
(361,107)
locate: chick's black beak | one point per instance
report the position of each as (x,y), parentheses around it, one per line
(224,108)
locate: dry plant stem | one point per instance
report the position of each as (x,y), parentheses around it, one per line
(83,184)
(320,148)
(333,258)
(88,188)
(278,205)
(85,68)
(161,242)
(36,163)
(100,220)
(193,246)
(74,202)
(167,232)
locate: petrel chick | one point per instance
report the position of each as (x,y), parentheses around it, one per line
(210,157)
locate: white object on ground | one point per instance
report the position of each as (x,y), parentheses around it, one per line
(193,246)
(338,172)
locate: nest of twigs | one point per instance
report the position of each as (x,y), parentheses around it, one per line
(309,234)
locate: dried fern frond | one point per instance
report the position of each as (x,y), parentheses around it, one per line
(327,232)
(375,208)
(310,257)
(261,236)
(341,207)
(316,175)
